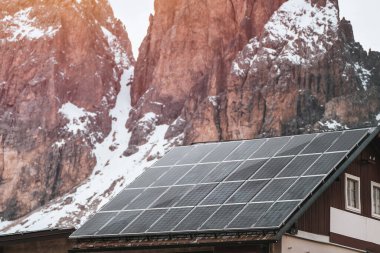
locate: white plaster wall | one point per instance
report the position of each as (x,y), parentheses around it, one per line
(354,226)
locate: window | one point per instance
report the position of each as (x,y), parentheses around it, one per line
(375,193)
(353,193)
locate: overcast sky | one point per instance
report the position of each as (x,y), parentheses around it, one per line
(363,14)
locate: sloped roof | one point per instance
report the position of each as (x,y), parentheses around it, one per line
(259,185)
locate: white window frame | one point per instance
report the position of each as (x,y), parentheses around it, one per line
(350,208)
(373,185)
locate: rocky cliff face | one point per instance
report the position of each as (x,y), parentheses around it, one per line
(60,67)
(300,71)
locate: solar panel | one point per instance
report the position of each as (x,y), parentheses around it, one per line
(221,152)
(247,191)
(245,150)
(240,185)
(222,217)
(196,218)
(122,199)
(170,219)
(197,173)
(277,214)
(221,172)
(246,170)
(274,189)
(144,221)
(117,224)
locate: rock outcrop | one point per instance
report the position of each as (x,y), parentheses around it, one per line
(300,71)
(60,67)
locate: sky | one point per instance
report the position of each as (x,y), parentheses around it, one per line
(363,15)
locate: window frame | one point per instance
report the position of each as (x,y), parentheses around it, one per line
(351,208)
(373,185)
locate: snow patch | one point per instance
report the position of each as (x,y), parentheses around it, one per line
(121,57)
(78,118)
(333,125)
(363,74)
(20,26)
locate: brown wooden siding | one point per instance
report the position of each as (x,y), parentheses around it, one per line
(317,218)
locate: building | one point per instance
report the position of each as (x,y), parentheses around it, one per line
(47,241)
(305,193)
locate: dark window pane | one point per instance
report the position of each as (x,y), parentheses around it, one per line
(94,224)
(196,195)
(272,168)
(250,215)
(196,218)
(296,144)
(116,225)
(148,177)
(146,198)
(169,198)
(348,140)
(247,191)
(170,219)
(144,221)
(245,150)
(271,147)
(298,166)
(221,152)
(321,143)
(173,175)
(246,170)
(325,164)
(221,193)
(222,217)
(197,173)
(173,156)
(274,190)
(277,214)
(122,199)
(197,153)
(302,188)
(221,172)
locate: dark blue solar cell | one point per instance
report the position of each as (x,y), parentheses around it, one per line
(148,177)
(221,152)
(144,221)
(247,191)
(197,173)
(116,225)
(298,166)
(171,197)
(246,170)
(348,140)
(245,150)
(196,195)
(173,156)
(277,214)
(272,168)
(274,190)
(222,217)
(250,215)
(170,220)
(196,218)
(321,143)
(302,188)
(173,175)
(219,173)
(94,224)
(221,193)
(270,148)
(296,144)
(122,199)
(325,164)
(198,153)
(146,198)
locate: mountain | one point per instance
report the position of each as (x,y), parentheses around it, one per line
(207,70)
(60,69)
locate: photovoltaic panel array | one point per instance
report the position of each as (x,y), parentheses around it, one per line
(229,186)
